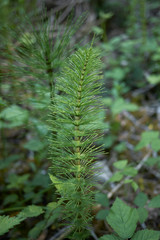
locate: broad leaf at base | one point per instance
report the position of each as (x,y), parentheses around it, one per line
(123,219)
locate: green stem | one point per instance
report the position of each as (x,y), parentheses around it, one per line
(77,121)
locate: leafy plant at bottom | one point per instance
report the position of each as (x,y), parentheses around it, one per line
(76,129)
(123,219)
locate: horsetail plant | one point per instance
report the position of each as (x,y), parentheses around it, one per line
(39,51)
(73,150)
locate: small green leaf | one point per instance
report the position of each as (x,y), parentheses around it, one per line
(106,16)
(97,30)
(120,164)
(155,144)
(16,181)
(120,105)
(123,219)
(40,180)
(11,198)
(141,199)
(128,181)
(153,79)
(102,214)
(118,74)
(52,205)
(9,160)
(134,185)
(146,235)
(155,202)
(147,138)
(130,171)
(3,103)
(40,126)
(16,116)
(102,199)
(143,214)
(116,177)
(34,145)
(109,140)
(152,161)
(120,147)
(107,101)
(31,211)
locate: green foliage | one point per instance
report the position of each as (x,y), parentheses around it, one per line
(13,116)
(120,164)
(17,181)
(8,161)
(75,129)
(149,137)
(143,214)
(141,199)
(140,235)
(36,230)
(146,235)
(153,161)
(153,79)
(52,213)
(30,211)
(102,214)
(124,169)
(123,219)
(102,199)
(7,222)
(10,199)
(32,53)
(34,145)
(116,177)
(155,202)
(120,105)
